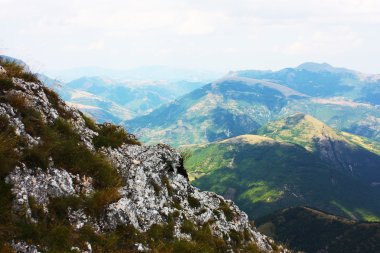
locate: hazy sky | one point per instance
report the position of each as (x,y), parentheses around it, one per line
(198,34)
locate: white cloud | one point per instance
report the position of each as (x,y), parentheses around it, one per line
(220,34)
(201,23)
(330,41)
(96,45)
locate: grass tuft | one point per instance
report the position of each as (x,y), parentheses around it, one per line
(112,136)
(16,70)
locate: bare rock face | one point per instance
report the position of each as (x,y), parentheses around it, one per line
(155,186)
(43,185)
(2,70)
(23,247)
(154,190)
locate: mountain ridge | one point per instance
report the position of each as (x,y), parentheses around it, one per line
(69,183)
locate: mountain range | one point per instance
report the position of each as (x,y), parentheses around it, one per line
(271,141)
(109,100)
(244,101)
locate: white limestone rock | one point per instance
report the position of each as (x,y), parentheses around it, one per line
(23,247)
(158,168)
(43,185)
(2,70)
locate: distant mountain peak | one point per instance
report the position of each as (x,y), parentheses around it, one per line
(301,129)
(286,91)
(301,118)
(321,67)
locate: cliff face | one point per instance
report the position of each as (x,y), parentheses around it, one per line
(69,184)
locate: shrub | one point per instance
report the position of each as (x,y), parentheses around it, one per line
(58,206)
(193,202)
(165,181)
(15,69)
(76,158)
(58,238)
(32,121)
(188,227)
(55,101)
(30,117)
(90,123)
(100,199)
(18,101)
(236,237)
(8,142)
(37,156)
(156,187)
(226,210)
(6,248)
(112,136)
(163,233)
(62,143)
(177,203)
(7,228)
(6,83)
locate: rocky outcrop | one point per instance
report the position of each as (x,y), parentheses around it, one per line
(43,185)
(154,188)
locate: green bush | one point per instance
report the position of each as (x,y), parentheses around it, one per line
(226,210)
(37,156)
(30,117)
(188,227)
(193,202)
(177,203)
(156,187)
(8,142)
(96,203)
(165,181)
(112,136)
(90,123)
(58,206)
(63,144)
(56,103)
(93,205)
(16,70)
(6,83)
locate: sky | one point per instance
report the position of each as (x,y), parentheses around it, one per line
(215,35)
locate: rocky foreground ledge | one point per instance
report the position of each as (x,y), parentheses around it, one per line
(72,185)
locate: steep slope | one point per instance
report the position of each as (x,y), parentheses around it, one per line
(323,80)
(228,107)
(68,184)
(330,146)
(308,230)
(301,162)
